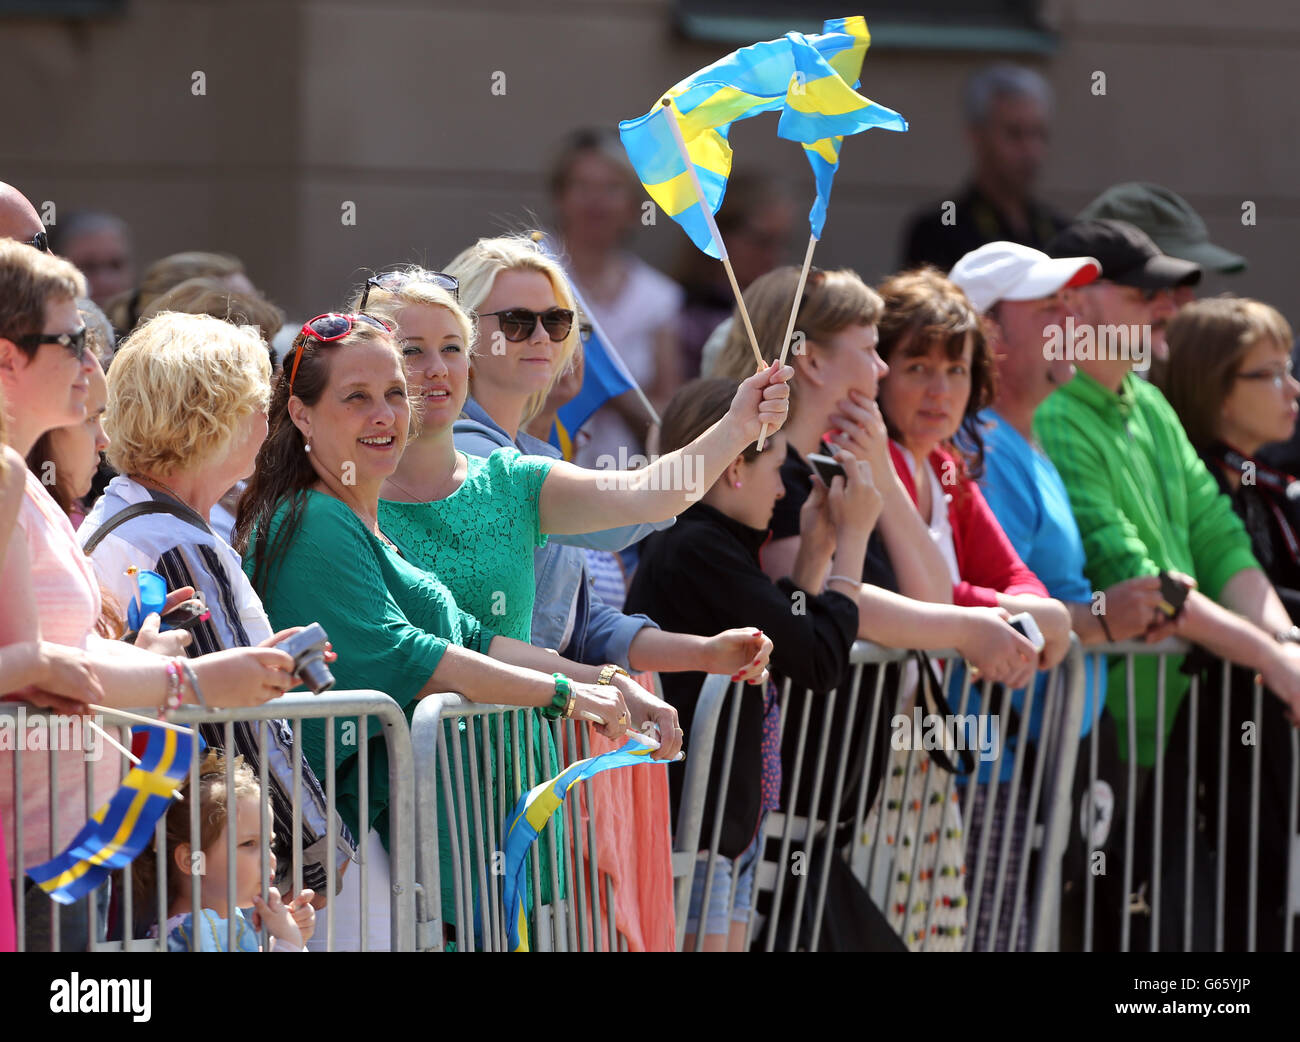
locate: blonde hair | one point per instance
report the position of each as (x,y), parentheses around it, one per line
(832,302)
(1207,341)
(385,304)
(207,295)
(178,388)
(477,269)
(216,809)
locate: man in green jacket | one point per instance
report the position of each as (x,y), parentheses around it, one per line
(1143,500)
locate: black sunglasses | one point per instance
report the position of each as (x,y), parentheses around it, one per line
(75,342)
(39,241)
(517,324)
(393,281)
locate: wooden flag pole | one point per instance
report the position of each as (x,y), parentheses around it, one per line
(713,228)
(794,311)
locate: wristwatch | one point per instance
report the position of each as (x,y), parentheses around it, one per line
(608,672)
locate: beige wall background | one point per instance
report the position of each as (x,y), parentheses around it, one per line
(388,104)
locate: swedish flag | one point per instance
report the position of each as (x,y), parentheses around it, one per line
(122,828)
(810,80)
(534,810)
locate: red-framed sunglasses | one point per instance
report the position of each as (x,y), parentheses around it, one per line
(327,328)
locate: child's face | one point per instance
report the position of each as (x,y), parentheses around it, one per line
(248,860)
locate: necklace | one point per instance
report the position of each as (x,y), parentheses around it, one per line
(166,488)
(441,485)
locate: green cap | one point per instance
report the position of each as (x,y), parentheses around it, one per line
(1168,218)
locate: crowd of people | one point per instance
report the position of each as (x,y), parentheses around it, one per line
(401,451)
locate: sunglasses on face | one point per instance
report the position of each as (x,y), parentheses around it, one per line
(75,342)
(326,329)
(517,324)
(393,281)
(39,241)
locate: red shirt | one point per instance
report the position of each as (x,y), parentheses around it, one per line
(986,561)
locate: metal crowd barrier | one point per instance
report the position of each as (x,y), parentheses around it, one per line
(295,707)
(472,763)
(1209,831)
(815,825)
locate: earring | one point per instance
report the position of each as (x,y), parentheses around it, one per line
(307,446)
(736,484)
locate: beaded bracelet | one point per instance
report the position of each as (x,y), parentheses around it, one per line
(173,698)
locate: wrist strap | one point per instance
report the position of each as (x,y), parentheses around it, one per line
(1105,629)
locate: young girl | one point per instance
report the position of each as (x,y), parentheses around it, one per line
(705,572)
(289,925)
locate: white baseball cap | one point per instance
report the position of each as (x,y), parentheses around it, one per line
(1008,271)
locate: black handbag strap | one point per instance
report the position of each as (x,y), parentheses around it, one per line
(930,693)
(135,510)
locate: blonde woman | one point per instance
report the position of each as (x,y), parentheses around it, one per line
(476,522)
(526,334)
(187,397)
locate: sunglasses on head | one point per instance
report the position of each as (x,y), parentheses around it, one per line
(39,241)
(517,324)
(75,342)
(326,329)
(393,281)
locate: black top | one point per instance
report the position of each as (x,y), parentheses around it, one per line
(975,221)
(1269,507)
(877,569)
(702,576)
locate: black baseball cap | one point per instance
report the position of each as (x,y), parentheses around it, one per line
(1126,253)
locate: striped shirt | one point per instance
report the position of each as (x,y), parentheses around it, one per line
(186,552)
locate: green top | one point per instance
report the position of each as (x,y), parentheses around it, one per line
(389,621)
(1144,503)
(480,539)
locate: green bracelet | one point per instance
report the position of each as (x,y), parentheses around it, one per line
(562,703)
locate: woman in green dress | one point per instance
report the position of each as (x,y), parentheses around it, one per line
(313,546)
(475,521)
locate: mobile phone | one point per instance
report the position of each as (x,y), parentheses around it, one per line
(826,467)
(1025,625)
(184,616)
(1174,593)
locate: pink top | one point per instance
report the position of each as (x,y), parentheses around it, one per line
(67,606)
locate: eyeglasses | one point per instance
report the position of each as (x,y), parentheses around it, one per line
(393,281)
(75,342)
(39,241)
(1276,375)
(328,328)
(517,324)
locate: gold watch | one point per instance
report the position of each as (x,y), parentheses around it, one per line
(608,672)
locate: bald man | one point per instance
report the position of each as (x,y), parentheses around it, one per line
(19,219)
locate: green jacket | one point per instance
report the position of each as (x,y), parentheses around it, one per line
(1144,503)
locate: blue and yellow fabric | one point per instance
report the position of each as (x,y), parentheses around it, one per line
(534,810)
(122,828)
(810,80)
